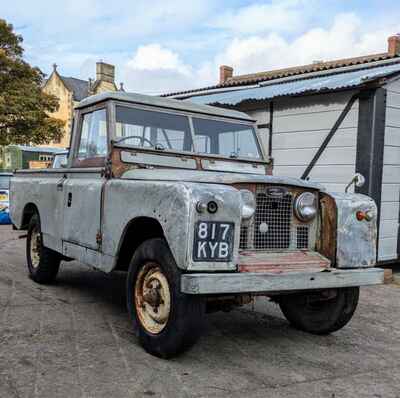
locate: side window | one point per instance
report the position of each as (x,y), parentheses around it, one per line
(93,141)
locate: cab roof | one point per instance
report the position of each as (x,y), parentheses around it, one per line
(160,102)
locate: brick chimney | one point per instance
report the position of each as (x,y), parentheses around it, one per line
(105,72)
(225,72)
(394,45)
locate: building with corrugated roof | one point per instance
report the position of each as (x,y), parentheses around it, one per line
(326,121)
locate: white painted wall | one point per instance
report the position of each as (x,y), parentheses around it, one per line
(301,125)
(389,223)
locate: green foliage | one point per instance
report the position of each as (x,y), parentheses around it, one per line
(24,107)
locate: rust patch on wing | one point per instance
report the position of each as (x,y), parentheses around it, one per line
(326,243)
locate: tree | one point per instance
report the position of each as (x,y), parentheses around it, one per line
(24,107)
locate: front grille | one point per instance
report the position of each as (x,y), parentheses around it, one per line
(302,237)
(273,227)
(272,221)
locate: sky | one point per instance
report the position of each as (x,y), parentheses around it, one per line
(160,46)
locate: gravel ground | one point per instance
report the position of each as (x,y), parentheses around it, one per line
(73,339)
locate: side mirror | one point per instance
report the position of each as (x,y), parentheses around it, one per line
(358,180)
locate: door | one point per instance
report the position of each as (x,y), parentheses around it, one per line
(83,187)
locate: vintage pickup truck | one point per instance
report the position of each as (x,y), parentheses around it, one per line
(179,195)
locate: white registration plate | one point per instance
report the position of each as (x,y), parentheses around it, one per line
(213,241)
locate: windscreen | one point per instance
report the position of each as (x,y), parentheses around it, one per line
(217,137)
(162,130)
(152,129)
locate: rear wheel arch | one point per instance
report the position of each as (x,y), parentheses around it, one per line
(29,211)
(135,233)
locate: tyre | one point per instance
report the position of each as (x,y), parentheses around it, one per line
(320,312)
(166,321)
(43,263)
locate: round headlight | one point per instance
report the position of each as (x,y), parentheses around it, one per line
(248,204)
(305,206)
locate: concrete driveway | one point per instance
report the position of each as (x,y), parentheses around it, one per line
(73,339)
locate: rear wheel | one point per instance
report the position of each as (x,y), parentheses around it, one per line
(165,320)
(320,312)
(43,263)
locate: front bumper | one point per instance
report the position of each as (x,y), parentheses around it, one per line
(256,282)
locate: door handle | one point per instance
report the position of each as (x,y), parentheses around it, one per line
(69,201)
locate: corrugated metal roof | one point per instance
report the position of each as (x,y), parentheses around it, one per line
(253,78)
(295,86)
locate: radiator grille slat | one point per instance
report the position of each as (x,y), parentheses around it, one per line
(272,227)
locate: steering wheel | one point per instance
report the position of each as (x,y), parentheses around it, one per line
(134,136)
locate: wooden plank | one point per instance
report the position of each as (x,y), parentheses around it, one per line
(388,228)
(313,139)
(324,174)
(391,174)
(302,157)
(391,155)
(390,210)
(394,86)
(392,136)
(312,104)
(393,116)
(387,249)
(393,98)
(390,192)
(314,121)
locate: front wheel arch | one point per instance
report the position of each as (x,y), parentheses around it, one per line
(131,239)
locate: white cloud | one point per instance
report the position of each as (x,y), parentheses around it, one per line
(154,57)
(345,38)
(157,69)
(279,16)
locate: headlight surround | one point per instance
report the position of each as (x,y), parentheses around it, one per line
(305,206)
(248,204)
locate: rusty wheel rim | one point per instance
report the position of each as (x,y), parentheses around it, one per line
(152,298)
(36,244)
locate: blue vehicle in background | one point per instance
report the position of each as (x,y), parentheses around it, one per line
(5,198)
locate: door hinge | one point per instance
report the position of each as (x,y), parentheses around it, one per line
(99,238)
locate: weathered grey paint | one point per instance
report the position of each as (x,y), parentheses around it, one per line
(276,283)
(356,240)
(173,205)
(216,177)
(158,160)
(84,215)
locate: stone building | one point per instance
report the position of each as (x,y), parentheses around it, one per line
(71,90)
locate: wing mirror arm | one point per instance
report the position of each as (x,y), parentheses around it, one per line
(358,180)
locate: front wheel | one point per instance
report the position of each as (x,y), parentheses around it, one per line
(320,312)
(165,320)
(43,263)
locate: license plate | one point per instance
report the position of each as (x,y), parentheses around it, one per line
(213,241)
